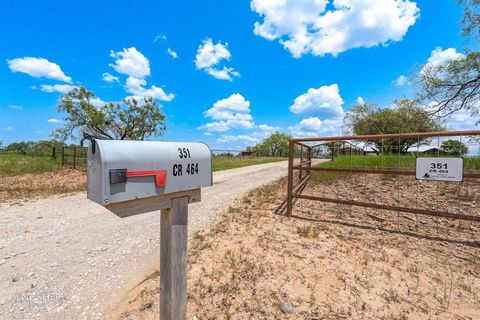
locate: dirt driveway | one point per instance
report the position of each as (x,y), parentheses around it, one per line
(68,258)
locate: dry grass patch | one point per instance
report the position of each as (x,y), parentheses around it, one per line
(251,262)
(16,188)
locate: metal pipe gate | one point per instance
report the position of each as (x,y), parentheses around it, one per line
(388,155)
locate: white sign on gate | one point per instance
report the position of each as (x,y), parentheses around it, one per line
(440,169)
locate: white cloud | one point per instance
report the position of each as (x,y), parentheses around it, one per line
(134,64)
(61,88)
(440,57)
(130,62)
(260,132)
(240,137)
(97,102)
(107,77)
(314,127)
(160,37)
(210,55)
(325,100)
(307,26)
(53,120)
(172,53)
(401,81)
(38,68)
(15,107)
(137,88)
(9,129)
(360,101)
(223,74)
(462,120)
(229,113)
(264,128)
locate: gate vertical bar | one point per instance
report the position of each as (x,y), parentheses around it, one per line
(309,159)
(300,172)
(173,260)
(290,177)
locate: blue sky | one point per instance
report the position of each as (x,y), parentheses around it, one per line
(225,72)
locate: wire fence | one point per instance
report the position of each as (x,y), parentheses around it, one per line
(74,157)
(374,178)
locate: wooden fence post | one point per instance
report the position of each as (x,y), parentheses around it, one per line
(173,260)
(74,157)
(63,156)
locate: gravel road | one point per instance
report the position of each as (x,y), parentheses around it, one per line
(69,258)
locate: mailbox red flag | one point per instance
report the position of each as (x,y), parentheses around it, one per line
(160,175)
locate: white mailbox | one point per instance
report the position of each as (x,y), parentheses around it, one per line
(121,173)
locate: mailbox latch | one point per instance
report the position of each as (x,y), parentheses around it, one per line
(121,175)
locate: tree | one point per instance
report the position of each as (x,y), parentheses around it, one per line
(471,17)
(452,86)
(454,147)
(130,120)
(277,144)
(455,85)
(22,147)
(41,147)
(404,116)
(274,145)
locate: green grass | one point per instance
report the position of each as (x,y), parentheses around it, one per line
(12,164)
(224,163)
(371,161)
(400,162)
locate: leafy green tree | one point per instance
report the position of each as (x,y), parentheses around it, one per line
(277,144)
(454,147)
(274,145)
(42,147)
(131,119)
(455,85)
(22,147)
(404,116)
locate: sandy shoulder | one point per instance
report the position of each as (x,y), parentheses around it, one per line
(68,256)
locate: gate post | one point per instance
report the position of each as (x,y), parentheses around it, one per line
(63,156)
(290,177)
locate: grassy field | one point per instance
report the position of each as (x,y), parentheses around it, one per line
(386,161)
(402,162)
(14,164)
(224,163)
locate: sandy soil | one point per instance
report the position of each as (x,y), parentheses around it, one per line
(68,258)
(328,262)
(16,188)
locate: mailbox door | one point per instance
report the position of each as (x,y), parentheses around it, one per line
(129,170)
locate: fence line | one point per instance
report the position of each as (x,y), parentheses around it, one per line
(349,173)
(75,157)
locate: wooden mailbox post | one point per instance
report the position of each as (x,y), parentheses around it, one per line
(133,177)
